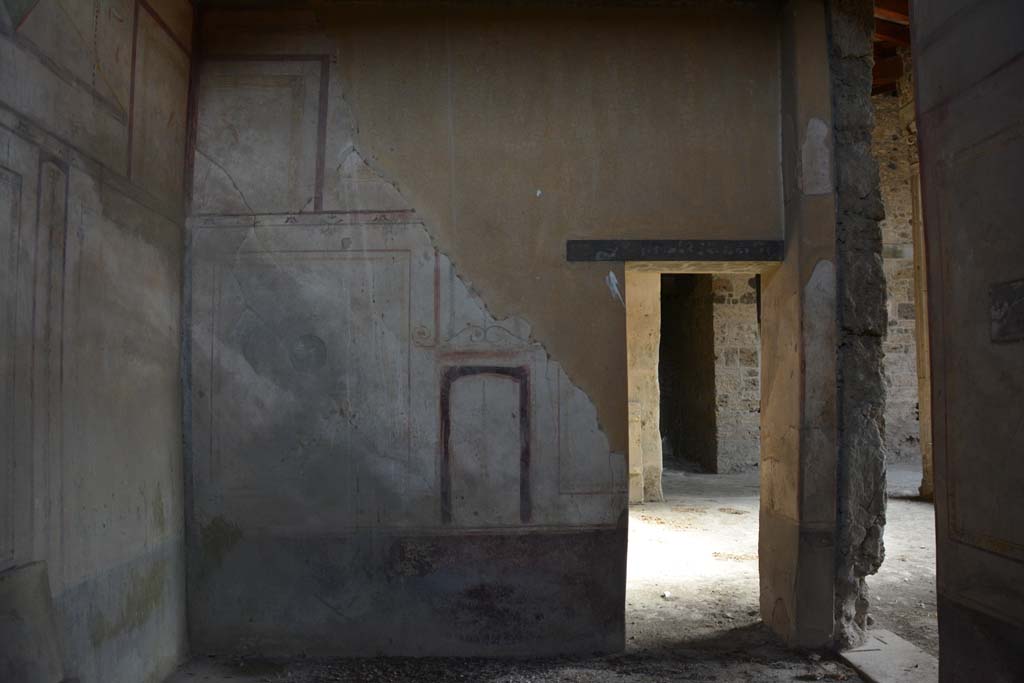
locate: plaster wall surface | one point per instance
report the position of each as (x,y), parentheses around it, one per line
(368,428)
(797,526)
(92,128)
(969,114)
(643,342)
(603,123)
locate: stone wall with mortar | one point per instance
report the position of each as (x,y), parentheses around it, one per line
(404,401)
(737,344)
(891,149)
(860,507)
(92,141)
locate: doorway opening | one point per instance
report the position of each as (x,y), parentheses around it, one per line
(709,373)
(694,363)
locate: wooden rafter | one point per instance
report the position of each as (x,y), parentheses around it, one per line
(894,11)
(891,34)
(887,32)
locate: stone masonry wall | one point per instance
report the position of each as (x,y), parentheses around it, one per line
(860,508)
(890,148)
(737,372)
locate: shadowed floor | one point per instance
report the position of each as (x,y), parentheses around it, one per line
(902,593)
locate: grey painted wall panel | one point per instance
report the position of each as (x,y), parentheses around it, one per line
(97,482)
(10,221)
(971,142)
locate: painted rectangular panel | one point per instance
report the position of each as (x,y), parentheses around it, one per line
(158,118)
(98,128)
(584,464)
(114,375)
(300,475)
(48,304)
(465,322)
(310,409)
(988,178)
(971,140)
(259,136)
(10,200)
(1001,22)
(485,445)
(89,43)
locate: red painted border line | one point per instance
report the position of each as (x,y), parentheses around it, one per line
(131,90)
(437,298)
(26,16)
(192,116)
(321,135)
(265,57)
(519,374)
(112,107)
(329,212)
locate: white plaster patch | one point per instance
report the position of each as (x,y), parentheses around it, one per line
(816,159)
(613,286)
(820,354)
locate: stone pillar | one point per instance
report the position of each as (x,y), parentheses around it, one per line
(908,120)
(798,353)
(860,478)
(924,376)
(643,338)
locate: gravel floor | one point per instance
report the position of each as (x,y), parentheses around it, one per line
(692,594)
(903,592)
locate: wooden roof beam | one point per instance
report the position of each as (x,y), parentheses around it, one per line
(895,11)
(886,32)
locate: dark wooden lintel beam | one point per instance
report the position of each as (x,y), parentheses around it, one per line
(675,250)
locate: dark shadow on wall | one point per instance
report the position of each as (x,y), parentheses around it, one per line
(686,372)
